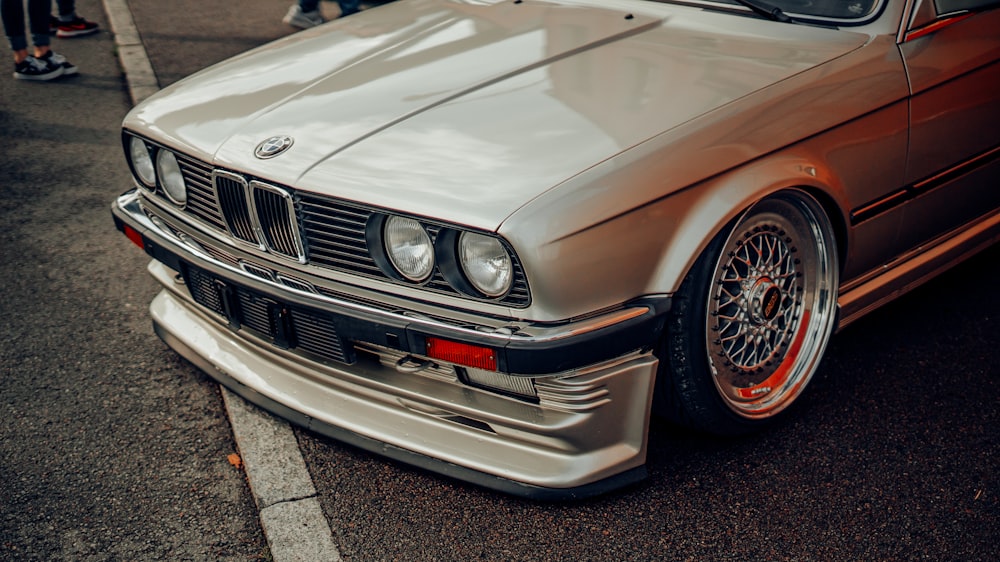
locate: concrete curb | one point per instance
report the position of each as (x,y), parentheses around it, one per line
(132,55)
(290,513)
(289,510)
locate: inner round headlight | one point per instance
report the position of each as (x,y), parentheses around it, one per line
(486,263)
(142,162)
(170,177)
(409,248)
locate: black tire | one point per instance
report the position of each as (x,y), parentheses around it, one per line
(752,319)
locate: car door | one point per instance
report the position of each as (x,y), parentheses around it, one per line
(951,50)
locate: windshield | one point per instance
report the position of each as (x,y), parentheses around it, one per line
(844,11)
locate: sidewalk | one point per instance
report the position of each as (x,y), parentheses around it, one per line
(159,44)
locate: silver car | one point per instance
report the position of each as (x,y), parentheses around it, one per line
(492,237)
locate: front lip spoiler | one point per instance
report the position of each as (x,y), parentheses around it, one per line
(492,482)
(535,349)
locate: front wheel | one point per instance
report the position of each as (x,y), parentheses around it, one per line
(752,319)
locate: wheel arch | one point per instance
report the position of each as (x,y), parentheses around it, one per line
(838,221)
(707,216)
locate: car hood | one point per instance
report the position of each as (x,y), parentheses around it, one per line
(467,111)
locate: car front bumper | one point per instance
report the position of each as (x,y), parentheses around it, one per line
(585,433)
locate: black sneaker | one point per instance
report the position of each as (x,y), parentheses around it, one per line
(53,58)
(75,28)
(35,69)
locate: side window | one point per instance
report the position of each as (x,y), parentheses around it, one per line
(951,6)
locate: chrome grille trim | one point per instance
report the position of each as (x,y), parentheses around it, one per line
(234,206)
(254,269)
(274,214)
(297,284)
(222,256)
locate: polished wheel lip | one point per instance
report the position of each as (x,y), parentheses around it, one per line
(772,305)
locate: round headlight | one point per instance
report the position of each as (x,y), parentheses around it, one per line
(486,263)
(409,248)
(171,178)
(142,162)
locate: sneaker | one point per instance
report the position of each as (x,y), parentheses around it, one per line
(35,69)
(303,20)
(53,58)
(75,28)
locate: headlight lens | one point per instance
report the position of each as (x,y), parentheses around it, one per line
(170,177)
(142,162)
(409,248)
(486,263)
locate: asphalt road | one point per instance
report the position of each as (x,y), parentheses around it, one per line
(115,449)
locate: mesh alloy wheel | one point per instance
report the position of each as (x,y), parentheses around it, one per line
(753,318)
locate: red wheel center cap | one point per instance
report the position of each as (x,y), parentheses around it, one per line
(765,301)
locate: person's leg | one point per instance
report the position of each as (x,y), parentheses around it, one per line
(28,67)
(12,12)
(67,9)
(309,5)
(348,7)
(38,19)
(68,24)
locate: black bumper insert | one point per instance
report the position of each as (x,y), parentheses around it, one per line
(286,326)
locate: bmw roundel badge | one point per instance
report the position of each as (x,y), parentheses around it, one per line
(271,147)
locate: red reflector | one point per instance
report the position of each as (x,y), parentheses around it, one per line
(462,353)
(134,236)
(927,30)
